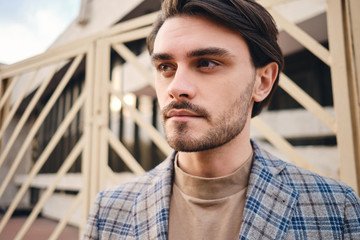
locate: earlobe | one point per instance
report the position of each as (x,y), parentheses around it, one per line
(265,78)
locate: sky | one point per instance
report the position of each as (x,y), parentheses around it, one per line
(29,27)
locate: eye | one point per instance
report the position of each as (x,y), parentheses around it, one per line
(207,64)
(163,68)
(166,69)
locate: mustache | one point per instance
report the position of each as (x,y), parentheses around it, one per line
(184,105)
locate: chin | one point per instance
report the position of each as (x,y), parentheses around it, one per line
(188,144)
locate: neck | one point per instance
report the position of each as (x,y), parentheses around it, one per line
(220,161)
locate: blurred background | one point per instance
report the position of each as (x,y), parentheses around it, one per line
(29,27)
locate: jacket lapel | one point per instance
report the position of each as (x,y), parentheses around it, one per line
(152,207)
(270,203)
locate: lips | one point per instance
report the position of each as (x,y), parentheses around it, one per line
(181,113)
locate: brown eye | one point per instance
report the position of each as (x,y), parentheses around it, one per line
(205,63)
(164,68)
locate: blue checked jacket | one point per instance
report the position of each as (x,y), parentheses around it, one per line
(283,202)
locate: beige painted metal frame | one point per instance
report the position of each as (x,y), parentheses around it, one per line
(342,82)
(95,120)
(97,137)
(344,126)
(45,154)
(351,8)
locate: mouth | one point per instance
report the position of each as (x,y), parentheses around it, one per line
(183,111)
(181,114)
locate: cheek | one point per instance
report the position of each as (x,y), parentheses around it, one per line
(161,94)
(224,93)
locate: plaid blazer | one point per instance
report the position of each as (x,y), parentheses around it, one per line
(283,202)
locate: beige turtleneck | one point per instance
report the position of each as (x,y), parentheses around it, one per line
(208,208)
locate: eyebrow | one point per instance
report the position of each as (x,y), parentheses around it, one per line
(161,56)
(212,51)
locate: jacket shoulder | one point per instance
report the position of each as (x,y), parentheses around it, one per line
(302,180)
(308,182)
(130,190)
(112,213)
(324,200)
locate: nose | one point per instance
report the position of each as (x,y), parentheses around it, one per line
(182,85)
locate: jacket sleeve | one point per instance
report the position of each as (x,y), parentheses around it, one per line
(352,216)
(92,228)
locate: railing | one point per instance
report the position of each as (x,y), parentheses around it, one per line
(94,100)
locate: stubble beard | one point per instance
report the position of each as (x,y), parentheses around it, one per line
(221,130)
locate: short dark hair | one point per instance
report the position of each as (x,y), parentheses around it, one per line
(246,17)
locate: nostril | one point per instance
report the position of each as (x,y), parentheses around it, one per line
(173,94)
(180,89)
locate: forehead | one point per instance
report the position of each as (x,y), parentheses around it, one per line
(186,33)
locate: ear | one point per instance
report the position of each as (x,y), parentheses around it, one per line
(265,78)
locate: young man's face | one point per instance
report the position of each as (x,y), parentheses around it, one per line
(204,82)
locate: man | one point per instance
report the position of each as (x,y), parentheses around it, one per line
(217,64)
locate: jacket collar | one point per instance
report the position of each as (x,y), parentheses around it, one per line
(270,202)
(155,199)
